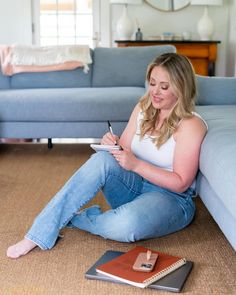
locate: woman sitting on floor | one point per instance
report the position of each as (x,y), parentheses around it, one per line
(149,184)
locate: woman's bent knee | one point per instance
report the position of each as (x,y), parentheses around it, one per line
(104,160)
(102,156)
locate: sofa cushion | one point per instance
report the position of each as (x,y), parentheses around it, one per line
(55,79)
(4,81)
(69,104)
(216,90)
(217,159)
(221,214)
(124,66)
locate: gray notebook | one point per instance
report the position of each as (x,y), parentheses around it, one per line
(172,282)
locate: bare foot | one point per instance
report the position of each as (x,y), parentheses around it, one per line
(21,248)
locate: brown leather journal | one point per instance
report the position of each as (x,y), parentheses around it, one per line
(121,268)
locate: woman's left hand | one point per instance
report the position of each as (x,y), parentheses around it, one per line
(125,158)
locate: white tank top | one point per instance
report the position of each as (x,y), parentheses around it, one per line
(146,150)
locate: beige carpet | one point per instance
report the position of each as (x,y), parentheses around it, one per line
(30,175)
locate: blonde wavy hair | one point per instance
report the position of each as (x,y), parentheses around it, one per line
(183,82)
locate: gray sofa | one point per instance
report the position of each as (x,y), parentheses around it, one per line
(72,104)
(216,182)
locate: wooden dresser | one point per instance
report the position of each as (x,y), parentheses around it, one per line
(203,54)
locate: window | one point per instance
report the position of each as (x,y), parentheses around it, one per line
(66,22)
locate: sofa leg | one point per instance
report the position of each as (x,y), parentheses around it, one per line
(50,145)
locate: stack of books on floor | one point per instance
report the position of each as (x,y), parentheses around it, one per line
(169,272)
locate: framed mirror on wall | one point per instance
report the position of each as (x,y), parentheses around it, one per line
(168,5)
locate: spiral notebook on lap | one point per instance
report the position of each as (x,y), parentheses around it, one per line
(172,282)
(104,147)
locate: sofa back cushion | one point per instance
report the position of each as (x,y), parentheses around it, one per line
(4,81)
(114,67)
(216,90)
(55,79)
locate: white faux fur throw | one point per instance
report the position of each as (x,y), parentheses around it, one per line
(50,55)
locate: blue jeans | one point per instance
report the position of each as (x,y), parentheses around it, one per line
(139,209)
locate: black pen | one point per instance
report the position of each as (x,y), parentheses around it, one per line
(110,129)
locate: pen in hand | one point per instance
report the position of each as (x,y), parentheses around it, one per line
(110,129)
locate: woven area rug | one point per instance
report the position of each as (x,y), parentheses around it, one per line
(31,174)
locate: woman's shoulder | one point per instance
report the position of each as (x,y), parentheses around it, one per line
(194,124)
(137,108)
(137,111)
(196,115)
(135,114)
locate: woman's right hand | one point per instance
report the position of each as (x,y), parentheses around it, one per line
(110,139)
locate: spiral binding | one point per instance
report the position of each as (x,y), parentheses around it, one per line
(165,271)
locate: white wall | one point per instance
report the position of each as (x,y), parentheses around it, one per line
(231,50)
(154,22)
(15,22)
(15,25)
